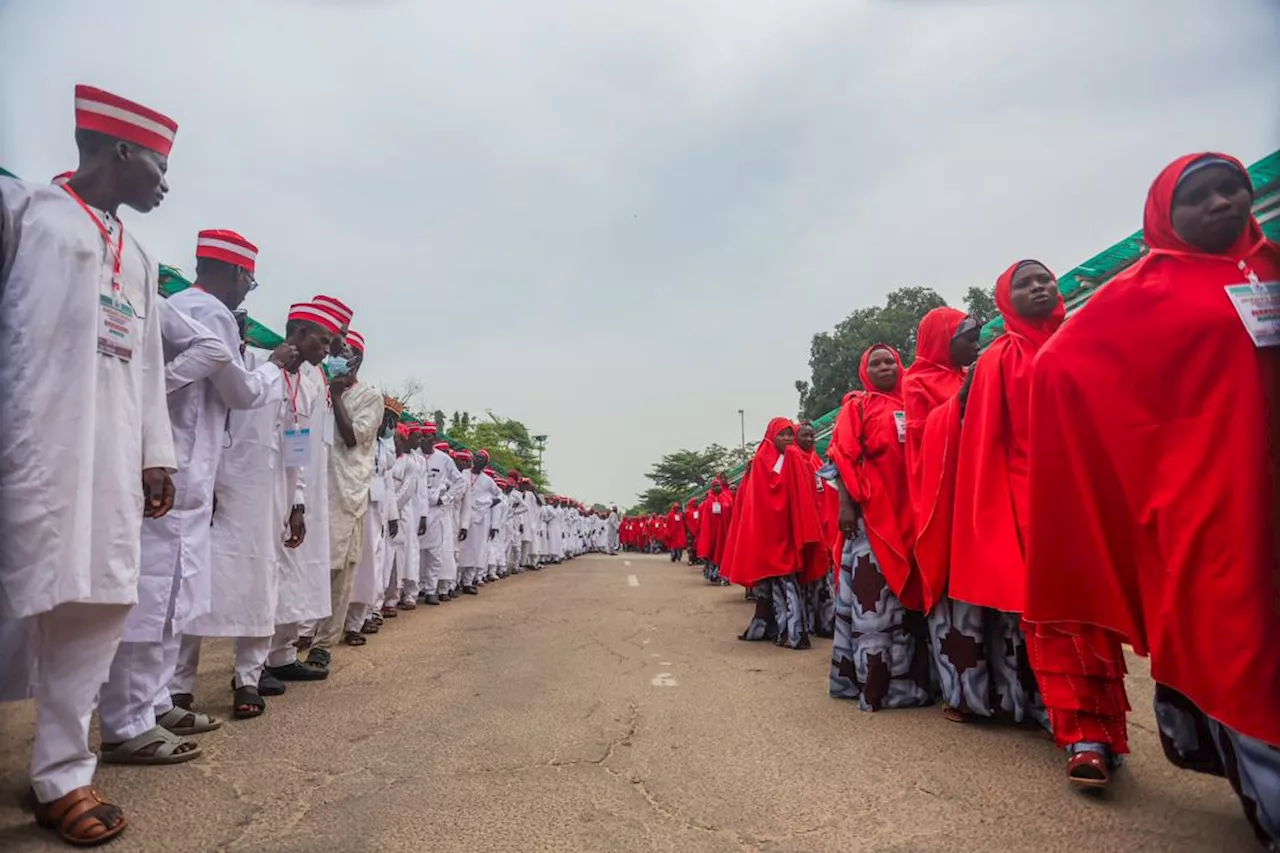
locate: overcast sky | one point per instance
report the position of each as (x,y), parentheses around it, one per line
(620,222)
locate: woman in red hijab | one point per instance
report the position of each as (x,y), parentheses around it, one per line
(820,594)
(1155,415)
(880,654)
(946,343)
(989,522)
(775,544)
(713,531)
(691,515)
(674,538)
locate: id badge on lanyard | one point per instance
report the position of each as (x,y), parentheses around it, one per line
(295,441)
(116,317)
(1258,304)
(900,421)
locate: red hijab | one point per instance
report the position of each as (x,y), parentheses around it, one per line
(989,524)
(930,381)
(674,534)
(713,525)
(866,449)
(776,527)
(691,517)
(1153,487)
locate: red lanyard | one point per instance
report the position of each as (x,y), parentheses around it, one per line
(116,252)
(293,393)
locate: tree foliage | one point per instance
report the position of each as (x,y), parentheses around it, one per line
(980,304)
(677,474)
(834,355)
(507,440)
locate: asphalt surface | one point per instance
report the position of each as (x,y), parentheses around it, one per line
(606,705)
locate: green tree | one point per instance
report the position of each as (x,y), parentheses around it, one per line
(507,440)
(980,304)
(834,355)
(677,474)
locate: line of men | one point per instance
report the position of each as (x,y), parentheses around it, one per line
(160,483)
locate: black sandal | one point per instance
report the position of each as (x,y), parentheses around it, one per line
(354,638)
(247,703)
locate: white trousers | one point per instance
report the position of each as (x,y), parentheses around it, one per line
(76,643)
(430,562)
(283,651)
(356,614)
(137,690)
(250,655)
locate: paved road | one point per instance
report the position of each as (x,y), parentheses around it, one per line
(605,705)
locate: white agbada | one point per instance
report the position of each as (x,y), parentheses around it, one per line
(478,516)
(404,475)
(371,575)
(70,524)
(315,412)
(177,545)
(252,571)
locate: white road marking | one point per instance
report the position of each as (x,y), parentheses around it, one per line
(632,580)
(663,679)
(626,562)
(655,654)
(664,663)
(645,643)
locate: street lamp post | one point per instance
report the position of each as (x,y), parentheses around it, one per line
(542,445)
(742,421)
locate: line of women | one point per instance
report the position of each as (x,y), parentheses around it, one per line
(1006,522)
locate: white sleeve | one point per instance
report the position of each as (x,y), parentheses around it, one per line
(195,351)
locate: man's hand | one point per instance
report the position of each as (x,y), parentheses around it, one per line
(297,528)
(339,384)
(462,535)
(393,527)
(493,531)
(422,526)
(157,492)
(285,355)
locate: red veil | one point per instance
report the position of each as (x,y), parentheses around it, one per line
(1153,493)
(929,391)
(776,527)
(991,499)
(870,457)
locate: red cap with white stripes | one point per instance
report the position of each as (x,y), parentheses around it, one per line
(337,306)
(120,118)
(356,340)
(226,246)
(309,312)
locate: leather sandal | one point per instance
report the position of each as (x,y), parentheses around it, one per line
(1088,769)
(81,817)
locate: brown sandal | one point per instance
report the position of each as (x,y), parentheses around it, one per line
(81,818)
(354,638)
(1088,769)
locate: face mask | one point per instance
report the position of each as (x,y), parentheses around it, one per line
(336,365)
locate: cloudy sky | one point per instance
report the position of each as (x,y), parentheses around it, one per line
(620,222)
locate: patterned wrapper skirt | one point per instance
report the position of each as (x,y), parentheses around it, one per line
(880,653)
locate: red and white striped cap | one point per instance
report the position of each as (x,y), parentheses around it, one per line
(226,246)
(443,445)
(309,312)
(356,340)
(428,426)
(61,178)
(337,306)
(120,118)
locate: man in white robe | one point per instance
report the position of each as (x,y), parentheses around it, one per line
(305,590)
(478,528)
(462,464)
(615,524)
(371,574)
(174,588)
(441,475)
(430,527)
(89,451)
(357,415)
(405,573)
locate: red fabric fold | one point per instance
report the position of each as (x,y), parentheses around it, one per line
(871,459)
(991,497)
(1152,497)
(776,530)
